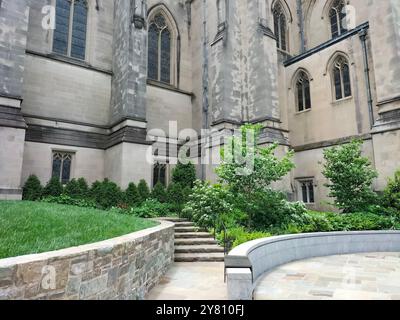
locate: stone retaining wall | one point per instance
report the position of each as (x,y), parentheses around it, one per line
(247,263)
(123,268)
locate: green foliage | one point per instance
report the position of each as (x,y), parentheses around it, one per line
(159,193)
(351,176)
(53,188)
(106,194)
(143,190)
(32,189)
(72,189)
(178,196)
(207,204)
(391,195)
(184,174)
(132,197)
(248,168)
(68,200)
(83,187)
(151,208)
(237,236)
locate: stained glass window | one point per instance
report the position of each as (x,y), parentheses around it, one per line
(160,174)
(337,16)
(280,26)
(303,92)
(71,28)
(159,55)
(62,166)
(341,78)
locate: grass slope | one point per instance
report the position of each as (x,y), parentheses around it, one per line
(35,227)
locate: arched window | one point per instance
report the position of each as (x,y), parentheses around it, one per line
(280,26)
(336,18)
(160,174)
(159,58)
(341,78)
(303,93)
(71,23)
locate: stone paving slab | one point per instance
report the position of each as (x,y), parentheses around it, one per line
(372,276)
(192,281)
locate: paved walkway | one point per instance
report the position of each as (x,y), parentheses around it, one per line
(192,281)
(371,276)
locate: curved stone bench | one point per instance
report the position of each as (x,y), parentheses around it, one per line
(248,262)
(122,268)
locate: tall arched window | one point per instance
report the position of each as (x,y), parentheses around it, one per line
(71,24)
(280,26)
(336,17)
(159,58)
(341,78)
(303,93)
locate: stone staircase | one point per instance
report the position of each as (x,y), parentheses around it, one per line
(193,244)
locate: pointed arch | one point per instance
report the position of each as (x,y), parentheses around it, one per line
(163,46)
(281,18)
(339,68)
(301,82)
(334,15)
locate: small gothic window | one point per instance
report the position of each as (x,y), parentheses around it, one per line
(160,174)
(307,191)
(71,25)
(62,163)
(341,78)
(159,47)
(336,17)
(280,26)
(303,92)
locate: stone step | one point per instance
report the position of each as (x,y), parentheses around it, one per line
(174,219)
(187,229)
(189,235)
(184,224)
(199,257)
(199,249)
(194,241)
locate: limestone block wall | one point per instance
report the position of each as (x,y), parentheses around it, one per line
(123,268)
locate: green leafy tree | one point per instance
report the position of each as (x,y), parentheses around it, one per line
(132,197)
(391,194)
(32,190)
(248,168)
(184,174)
(53,188)
(351,176)
(143,190)
(159,193)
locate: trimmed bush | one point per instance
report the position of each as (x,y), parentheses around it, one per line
(151,208)
(53,188)
(132,197)
(83,187)
(143,190)
(72,189)
(159,193)
(32,190)
(177,196)
(184,174)
(106,194)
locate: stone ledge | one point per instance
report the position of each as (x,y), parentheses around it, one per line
(261,256)
(122,268)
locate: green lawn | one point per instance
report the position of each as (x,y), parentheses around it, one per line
(35,227)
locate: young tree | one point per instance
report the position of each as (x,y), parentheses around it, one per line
(351,176)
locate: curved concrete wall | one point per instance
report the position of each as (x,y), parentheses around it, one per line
(123,268)
(246,263)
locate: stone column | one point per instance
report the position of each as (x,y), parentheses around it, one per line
(14,17)
(125,156)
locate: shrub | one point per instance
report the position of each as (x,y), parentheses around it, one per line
(184,174)
(53,188)
(32,190)
(151,208)
(106,194)
(132,197)
(351,176)
(238,236)
(178,196)
(83,187)
(159,193)
(207,204)
(143,190)
(68,200)
(72,189)
(391,195)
